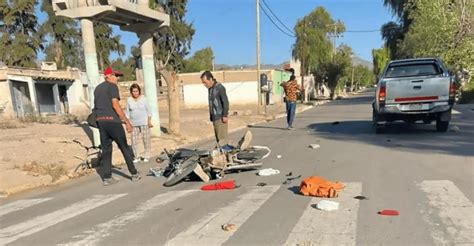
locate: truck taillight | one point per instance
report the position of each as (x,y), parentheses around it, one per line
(382,93)
(452,90)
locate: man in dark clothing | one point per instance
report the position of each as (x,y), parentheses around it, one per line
(218,107)
(110,117)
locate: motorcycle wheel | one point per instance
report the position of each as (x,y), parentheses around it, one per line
(186,168)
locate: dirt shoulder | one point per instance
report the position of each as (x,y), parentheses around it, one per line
(42,154)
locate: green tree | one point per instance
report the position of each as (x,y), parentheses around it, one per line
(127,67)
(200,61)
(380,58)
(363,77)
(20,40)
(335,71)
(106,43)
(392,32)
(172,44)
(312,46)
(442,28)
(65,39)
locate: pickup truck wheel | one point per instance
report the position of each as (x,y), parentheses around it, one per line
(379,128)
(442,126)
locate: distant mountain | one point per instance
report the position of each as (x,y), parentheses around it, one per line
(360,61)
(357,61)
(247,66)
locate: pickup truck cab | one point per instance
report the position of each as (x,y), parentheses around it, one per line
(413,90)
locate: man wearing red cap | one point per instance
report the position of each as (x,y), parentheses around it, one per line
(110,117)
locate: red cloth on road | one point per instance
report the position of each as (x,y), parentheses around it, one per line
(389,212)
(224,185)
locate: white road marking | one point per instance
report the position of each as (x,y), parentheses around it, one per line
(20,204)
(14,232)
(455,211)
(317,227)
(208,231)
(453,111)
(101,231)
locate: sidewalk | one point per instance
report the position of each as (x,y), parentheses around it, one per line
(35,155)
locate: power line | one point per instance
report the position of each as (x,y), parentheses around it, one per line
(277,26)
(278,19)
(373,30)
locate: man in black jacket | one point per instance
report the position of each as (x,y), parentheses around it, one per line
(218,107)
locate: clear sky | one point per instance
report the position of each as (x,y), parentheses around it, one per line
(228,27)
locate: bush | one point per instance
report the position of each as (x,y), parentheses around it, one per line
(467,96)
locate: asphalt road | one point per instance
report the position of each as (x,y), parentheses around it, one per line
(425,175)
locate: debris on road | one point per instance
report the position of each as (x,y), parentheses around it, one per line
(261,184)
(156,171)
(289,174)
(314,146)
(278,156)
(229,227)
(455,129)
(388,212)
(326,205)
(319,187)
(297,177)
(224,185)
(289,179)
(361,198)
(268,172)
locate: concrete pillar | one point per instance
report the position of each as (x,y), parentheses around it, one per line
(92,68)
(149,78)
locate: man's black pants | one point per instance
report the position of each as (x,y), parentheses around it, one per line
(113,131)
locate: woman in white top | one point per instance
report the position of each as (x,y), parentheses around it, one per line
(138,112)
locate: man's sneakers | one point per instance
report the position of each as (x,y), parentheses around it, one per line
(135,177)
(109,181)
(290,128)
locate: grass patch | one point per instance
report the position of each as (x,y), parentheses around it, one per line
(35,169)
(11,124)
(467,97)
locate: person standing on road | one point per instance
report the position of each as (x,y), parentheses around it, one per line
(291,88)
(138,112)
(218,107)
(110,117)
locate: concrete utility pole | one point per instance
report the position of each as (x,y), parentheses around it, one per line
(258,58)
(149,78)
(352,76)
(92,68)
(302,72)
(133,16)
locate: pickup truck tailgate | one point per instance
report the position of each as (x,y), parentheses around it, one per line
(417,89)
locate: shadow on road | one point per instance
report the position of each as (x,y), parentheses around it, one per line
(411,138)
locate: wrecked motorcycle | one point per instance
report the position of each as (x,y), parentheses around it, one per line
(184,163)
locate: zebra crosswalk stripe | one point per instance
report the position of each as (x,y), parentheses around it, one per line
(14,232)
(455,211)
(20,204)
(316,227)
(207,231)
(101,231)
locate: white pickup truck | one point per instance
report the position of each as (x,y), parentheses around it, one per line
(413,90)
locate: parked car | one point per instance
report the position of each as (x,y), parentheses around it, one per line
(414,89)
